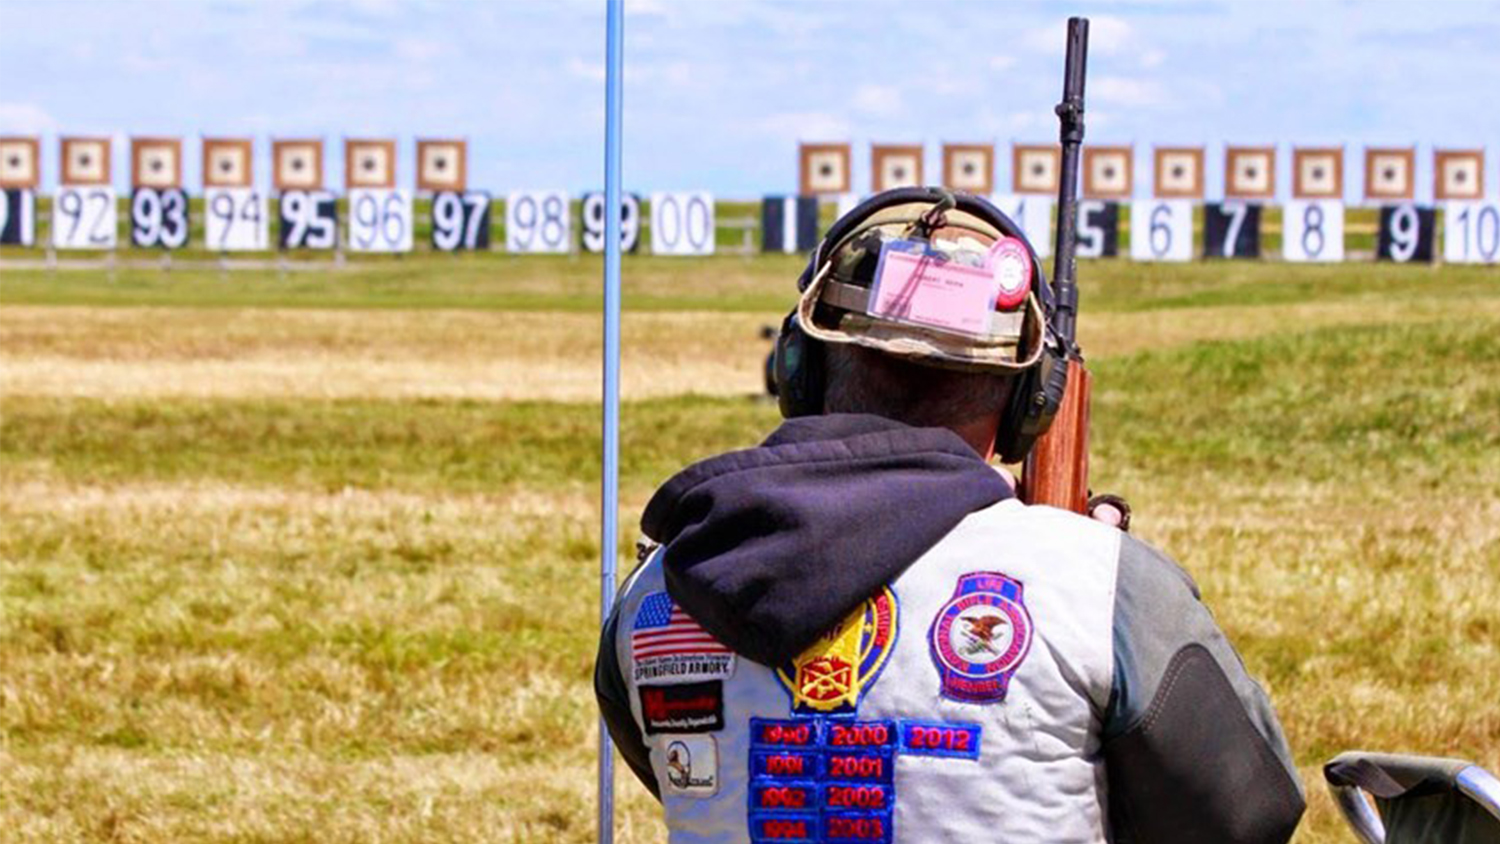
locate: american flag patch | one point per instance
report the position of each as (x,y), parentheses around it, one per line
(663,629)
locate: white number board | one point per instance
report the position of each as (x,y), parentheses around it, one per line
(1161,230)
(84,218)
(380,220)
(1312,230)
(537,222)
(682,223)
(1034,215)
(159,217)
(309,220)
(1471,233)
(460,220)
(17,217)
(593,222)
(235,219)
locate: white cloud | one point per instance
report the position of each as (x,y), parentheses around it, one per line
(26,119)
(1109,35)
(804,126)
(1002,63)
(878,100)
(1128,92)
(592,71)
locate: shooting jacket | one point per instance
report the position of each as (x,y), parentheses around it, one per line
(855,633)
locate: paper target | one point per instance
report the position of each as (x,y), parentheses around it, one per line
(1098,229)
(1318,173)
(369,164)
(84,217)
(1179,172)
(592,211)
(442,166)
(235,219)
(297,165)
(1035,169)
(156,163)
(969,167)
(1034,215)
(227,164)
(682,223)
(1407,233)
(824,169)
(307,220)
(17,217)
(1250,172)
(1231,230)
(1471,233)
(1390,174)
(1459,174)
(158,218)
(1107,172)
(20,163)
(1161,230)
(380,220)
(85,161)
(895,166)
(1312,230)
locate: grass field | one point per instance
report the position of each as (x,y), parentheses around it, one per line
(312,558)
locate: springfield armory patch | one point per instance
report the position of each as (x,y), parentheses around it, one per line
(683,708)
(668,646)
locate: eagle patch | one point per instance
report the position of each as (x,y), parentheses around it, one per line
(980,637)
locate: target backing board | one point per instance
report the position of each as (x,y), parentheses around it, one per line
(969,168)
(227,163)
(1108,172)
(297,164)
(1390,174)
(823,169)
(1459,174)
(1178,172)
(1035,168)
(895,166)
(1250,172)
(442,165)
(1318,173)
(369,164)
(20,162)
(156,163)
(85,161)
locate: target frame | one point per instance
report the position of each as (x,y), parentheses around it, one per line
(215,177)
(981,183)
(355,178)
(1164,158)
(291,146)
(1304,185)
(1442,159)
(141,148)
(882,153)
(807,181)
(1100,157)
(1024,160)
(1407,156)
(12,145)
(1234,156)
(67,175)
(459,148)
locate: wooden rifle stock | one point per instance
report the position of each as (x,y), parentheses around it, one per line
(1057,470)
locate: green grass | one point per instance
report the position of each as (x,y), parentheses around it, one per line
(294,619)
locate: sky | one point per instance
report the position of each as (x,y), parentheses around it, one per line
(719,92)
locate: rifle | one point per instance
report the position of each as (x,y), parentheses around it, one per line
(1057,470)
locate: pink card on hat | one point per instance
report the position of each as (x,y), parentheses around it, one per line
(915,283)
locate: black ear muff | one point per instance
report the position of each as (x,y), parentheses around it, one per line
(798,369)
(1034,400)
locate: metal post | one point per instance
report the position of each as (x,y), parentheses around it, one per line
(610,494)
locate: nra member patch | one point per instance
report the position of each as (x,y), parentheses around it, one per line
(683,707)
(980,637)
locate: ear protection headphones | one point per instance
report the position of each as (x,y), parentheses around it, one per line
(800,366)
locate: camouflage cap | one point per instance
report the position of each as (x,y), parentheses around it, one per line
(836,289)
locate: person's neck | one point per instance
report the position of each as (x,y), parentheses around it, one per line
(979,434)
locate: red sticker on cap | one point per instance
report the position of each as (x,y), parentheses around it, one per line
(1011,263)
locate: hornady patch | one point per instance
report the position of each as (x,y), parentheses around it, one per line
(692,765)
(668,646)
(980,637)
(682,707)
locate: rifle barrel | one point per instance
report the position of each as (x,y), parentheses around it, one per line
(1070,116)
